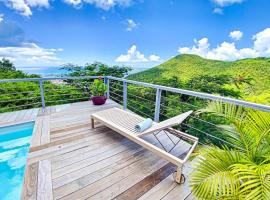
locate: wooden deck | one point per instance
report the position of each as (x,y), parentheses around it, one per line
(68,160)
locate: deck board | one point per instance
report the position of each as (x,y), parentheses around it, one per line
(45,190)
(30,184)
(69,160)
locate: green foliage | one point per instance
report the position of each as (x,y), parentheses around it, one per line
(213,85)
(242,172)
(6,65)
(98,88)
(96,69)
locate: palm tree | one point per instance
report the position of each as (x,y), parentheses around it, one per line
(241,171)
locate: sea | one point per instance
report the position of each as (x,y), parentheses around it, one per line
(56,71)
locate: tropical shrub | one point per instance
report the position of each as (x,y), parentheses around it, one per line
(239,171)
(98,88)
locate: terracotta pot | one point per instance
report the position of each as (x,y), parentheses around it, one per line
(98,100)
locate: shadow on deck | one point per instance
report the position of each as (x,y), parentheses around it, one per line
(68,160)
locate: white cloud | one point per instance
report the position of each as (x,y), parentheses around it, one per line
(1,17)
(220,4)
(108,4)
(201,47)
(236,35)
(228,50)
(30,53)
(218,11)
(223,3)
(21,50)
(131,24)
(103,4)
(73,2)
(133,56)
(38,3)
(262,42)
(24,6)
(154,58)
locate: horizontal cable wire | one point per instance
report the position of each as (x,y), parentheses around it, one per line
(30,92)
(142,105)
(208,134)
(139,111)
(116,83)
(115,99)
(141,98)
(209,123)
(68,99)
(20,106)
(215,125)
(15,100)
(212,136)
(60,89)
(129,94)
(129,91)
(116,94)
(67,94)
(116,89)
(178,101)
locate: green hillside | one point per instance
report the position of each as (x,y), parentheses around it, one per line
(249,77)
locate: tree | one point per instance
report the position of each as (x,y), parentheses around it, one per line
(6,65)
(241,171)
(241,80)
(213,85)
(96,69)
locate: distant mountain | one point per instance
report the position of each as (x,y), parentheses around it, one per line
(187,67)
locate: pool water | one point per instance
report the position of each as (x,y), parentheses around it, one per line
(14,146)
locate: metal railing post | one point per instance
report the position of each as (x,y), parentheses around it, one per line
(107,82)
(157,105)
(42,94)
(125,95)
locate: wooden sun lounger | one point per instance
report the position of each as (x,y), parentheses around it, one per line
(124,122)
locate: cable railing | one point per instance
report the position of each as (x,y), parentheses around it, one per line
(148,100)
(168,103)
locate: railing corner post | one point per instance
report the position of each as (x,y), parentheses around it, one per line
(107,82)
(157,105)
(125,95)
(42,94)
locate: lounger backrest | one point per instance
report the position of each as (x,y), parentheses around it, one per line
(167,123)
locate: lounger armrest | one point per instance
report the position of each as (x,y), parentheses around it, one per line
(167,123)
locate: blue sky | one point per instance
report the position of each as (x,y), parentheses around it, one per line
(140,33)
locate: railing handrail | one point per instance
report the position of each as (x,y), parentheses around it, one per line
(155,86)
(48,79)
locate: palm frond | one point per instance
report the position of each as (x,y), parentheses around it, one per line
(255,180)
(235,173)
(231,112)
(212,176)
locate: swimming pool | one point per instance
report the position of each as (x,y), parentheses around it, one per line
(14,146)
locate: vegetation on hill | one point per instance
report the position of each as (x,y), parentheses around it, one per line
(250,78)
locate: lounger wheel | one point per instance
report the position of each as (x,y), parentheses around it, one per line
(182,180)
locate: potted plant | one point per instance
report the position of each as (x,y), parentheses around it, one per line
(98,89)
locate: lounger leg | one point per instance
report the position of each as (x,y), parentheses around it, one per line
(92,123)
(178,177)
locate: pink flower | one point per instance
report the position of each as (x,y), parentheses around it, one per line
(100,77)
